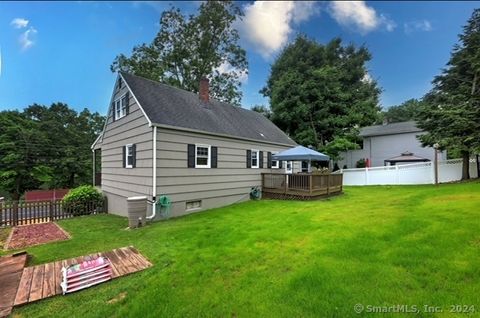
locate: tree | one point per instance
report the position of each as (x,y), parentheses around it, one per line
(337,146)
(406,111)
(451,114)
(22,167)
(46,147)
(264,110)
(321,92)
(189,48)
(66,147)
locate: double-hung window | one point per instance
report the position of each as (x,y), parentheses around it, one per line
(129,153)
(275,163)
(202,156)
(121,107)
(255,158)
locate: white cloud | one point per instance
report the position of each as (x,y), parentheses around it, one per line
(359,15)
(412,26)
(267,25)
(26,38)
(19,23)
(225,67)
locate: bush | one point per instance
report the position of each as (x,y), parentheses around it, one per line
(82,200)
(362,163)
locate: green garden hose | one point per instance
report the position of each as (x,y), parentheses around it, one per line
(164,206)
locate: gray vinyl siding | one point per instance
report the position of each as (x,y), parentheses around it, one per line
(229,183)
(118,183)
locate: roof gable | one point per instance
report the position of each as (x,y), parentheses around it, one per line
(389,129)
(170,106)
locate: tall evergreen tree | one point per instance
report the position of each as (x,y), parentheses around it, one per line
(189,48)
(452,111)
(322,92)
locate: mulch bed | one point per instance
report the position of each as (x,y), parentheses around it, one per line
(35,234)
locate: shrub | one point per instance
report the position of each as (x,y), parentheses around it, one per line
(82,200)
(362,163)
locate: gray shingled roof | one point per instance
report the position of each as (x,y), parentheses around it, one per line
(167,105)
(389,129)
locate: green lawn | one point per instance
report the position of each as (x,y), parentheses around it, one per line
(410,245)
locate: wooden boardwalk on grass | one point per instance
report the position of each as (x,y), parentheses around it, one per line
(11,269)
(42,281)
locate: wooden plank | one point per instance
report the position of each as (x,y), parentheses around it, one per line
(139,256)
(121,269)
(126,261)
(37,283)
(49,280)
(128,255)
(23,291)
(58,277)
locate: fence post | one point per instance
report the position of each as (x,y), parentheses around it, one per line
(310,180)
(285,182)
(366,176)
(397,176)
(50,211)
(1,211)
(328,184)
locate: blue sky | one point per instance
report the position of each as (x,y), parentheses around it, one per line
(62,51)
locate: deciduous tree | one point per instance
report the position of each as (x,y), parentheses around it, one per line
(188,48)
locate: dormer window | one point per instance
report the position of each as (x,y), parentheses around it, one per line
(121,107)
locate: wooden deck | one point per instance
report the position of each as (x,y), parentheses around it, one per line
(11,269)
(33,283)
(304,186)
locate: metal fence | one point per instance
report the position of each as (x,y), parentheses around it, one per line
(14,213)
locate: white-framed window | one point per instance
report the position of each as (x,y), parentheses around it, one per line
(289,167)
(202,156)
(275,163)
(129,156)
(193,205)
(255,161)
(120,107)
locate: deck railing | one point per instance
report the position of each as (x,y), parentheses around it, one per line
(306,185)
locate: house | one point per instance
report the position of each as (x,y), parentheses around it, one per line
(390,144)
(201,153)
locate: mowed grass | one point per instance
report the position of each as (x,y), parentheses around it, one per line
(380,246)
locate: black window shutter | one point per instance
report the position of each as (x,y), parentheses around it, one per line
(280,164)
(261,159)
(269,160)
(214,157)
(124,156)
(134,155)
(249,158)
(113,111)
(191,156)
(127,107)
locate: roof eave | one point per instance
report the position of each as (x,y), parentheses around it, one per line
(221,135)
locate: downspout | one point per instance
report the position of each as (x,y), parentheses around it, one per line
(154,181)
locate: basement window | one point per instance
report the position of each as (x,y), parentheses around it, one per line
(193,205)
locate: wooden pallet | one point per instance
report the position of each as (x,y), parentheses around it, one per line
(11,269)
(43,281)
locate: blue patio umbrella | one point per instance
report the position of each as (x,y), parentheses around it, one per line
(300,153)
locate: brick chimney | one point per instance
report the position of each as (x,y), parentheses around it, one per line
(203,91)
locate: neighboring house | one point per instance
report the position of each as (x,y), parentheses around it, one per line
(390,144)
(202,153)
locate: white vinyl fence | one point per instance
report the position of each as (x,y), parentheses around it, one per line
(415,173)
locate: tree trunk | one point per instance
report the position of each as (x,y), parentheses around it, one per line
(466,165)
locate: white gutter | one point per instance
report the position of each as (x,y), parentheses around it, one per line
(154,181)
